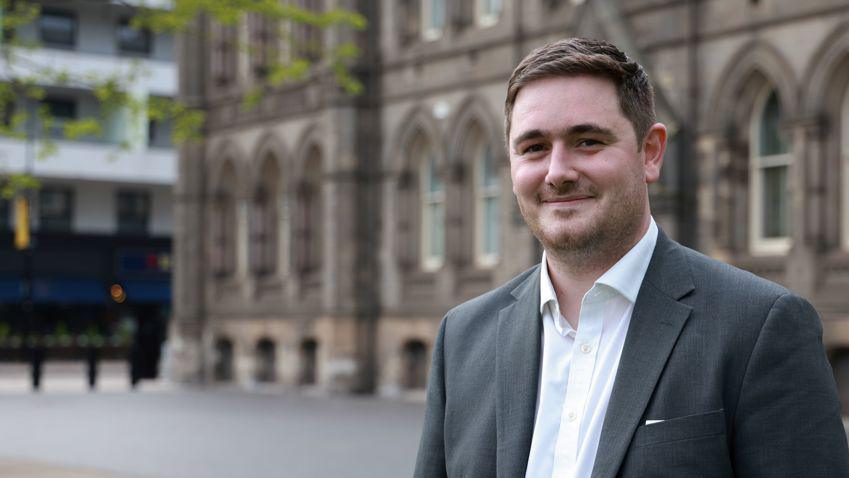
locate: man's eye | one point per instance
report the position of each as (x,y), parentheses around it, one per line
(589,143)
(534,148)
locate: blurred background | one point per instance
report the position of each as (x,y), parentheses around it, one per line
(282,199)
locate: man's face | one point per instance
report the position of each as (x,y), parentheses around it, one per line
(578,174)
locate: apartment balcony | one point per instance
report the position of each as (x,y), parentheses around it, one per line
(92,161)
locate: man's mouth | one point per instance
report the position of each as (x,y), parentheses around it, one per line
(565,199)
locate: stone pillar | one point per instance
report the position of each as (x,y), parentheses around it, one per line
(721,207)
(185,336)
(807,190)
(706,194)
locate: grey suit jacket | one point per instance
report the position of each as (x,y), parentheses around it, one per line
(732,363)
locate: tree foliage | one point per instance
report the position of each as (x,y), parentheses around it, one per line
(26,82)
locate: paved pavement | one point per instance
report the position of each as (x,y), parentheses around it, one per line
(29,469)
(168,431)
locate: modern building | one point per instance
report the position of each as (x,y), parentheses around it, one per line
(100,255)
(321,238)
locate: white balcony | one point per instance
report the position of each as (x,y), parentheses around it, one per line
(93,161)
(156,78)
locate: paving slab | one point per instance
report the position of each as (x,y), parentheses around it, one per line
(169,431)
(11,468)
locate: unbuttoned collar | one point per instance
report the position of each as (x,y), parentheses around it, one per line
(625,277)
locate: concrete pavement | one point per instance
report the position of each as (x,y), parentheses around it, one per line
(28,469)
(172,432)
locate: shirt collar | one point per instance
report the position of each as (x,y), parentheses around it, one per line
(625,277)
(546,288)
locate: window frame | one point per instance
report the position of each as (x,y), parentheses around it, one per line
(759,244)
(844,163)
(56,224)
(56,130)
(6,223)
(224,235)
(429,197)
(160,132)
(52,43)
(429,31)
(483,193)
(484,18)
(142,227)
(310,41)
(123,24)
(224,63)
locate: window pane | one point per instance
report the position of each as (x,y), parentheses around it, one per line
(54,209)
(133,211)
(437,14)
(57,28)
(436,235)
(160,130)
(5,220)
(132,40)
(434,181)
(775,202)
(771,139)
(61,108)
(490,176)
(491,7)
(490,241)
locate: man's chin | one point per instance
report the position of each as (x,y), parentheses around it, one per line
(566,240)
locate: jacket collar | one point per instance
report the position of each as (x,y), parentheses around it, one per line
(656,323)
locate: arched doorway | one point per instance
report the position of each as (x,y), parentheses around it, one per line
(265,358)
(222,368)
(415,365)
(309,362)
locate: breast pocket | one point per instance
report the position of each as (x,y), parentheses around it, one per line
(694,445)
(681,428)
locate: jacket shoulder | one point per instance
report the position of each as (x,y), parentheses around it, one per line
(710,271)
(715,277)
(486,304)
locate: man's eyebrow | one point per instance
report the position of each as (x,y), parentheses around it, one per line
(530,134)
(590,128)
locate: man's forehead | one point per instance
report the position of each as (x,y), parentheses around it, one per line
(568,101)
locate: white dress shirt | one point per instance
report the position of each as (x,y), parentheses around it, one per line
(579,366)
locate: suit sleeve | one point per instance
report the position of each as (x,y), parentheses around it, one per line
(430,462)
(787,421)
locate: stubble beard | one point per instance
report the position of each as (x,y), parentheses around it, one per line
(597,239)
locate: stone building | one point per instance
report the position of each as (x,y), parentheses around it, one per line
(320,238)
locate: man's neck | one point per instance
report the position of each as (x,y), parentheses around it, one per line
(572,275)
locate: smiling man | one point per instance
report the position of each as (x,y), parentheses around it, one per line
(623,353)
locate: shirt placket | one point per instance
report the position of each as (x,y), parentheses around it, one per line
(584,354)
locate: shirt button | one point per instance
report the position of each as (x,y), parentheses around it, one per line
(571,415)
(586,348)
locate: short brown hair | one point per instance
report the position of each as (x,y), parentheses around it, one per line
(583,56)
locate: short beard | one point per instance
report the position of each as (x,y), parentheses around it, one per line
(602,244)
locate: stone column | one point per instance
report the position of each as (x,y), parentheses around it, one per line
(185,337)
(807,191)
(706,193)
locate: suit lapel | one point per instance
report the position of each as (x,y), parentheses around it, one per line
(517,375)
(656,322)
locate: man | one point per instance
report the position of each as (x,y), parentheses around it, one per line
(624,353)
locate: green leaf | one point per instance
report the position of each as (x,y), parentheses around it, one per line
(85,127)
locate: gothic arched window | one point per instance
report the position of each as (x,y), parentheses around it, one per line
(770,160)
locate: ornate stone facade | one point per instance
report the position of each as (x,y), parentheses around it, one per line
(320,238)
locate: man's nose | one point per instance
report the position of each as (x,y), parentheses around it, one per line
(561,167)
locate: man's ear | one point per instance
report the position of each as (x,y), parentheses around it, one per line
(654,145)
